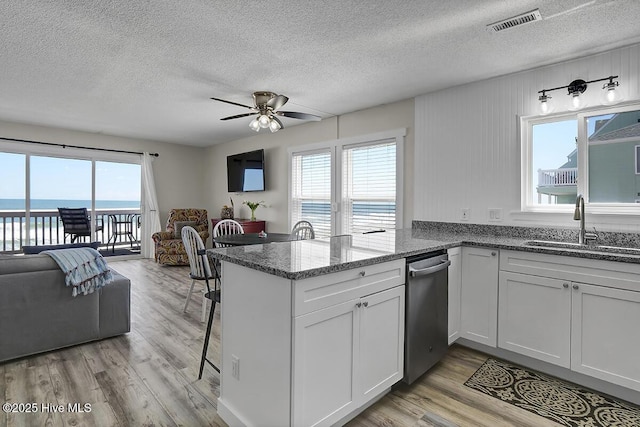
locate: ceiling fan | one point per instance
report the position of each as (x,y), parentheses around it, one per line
(266,107)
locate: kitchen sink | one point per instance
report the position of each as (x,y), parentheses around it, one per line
(555,244)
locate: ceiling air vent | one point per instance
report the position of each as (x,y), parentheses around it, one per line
(524,18)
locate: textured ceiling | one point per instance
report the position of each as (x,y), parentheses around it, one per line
(147,69)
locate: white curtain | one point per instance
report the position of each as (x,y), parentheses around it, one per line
(151,215)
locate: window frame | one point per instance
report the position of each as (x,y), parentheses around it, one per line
(336,147)
(526,124)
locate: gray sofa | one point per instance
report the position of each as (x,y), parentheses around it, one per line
(38,313)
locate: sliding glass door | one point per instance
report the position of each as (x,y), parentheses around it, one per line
(35,184)
(12,200)
(118,197)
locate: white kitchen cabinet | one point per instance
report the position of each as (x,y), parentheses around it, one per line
(345,355)
(324,357)
(605,336)
(310,351)
(455,281)
(590,328)
(479,295)
(534,317)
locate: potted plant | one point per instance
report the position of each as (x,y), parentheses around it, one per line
(253,206)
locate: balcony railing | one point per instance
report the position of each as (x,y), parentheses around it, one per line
(557,177)
(45,228)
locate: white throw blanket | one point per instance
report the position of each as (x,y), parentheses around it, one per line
(85,269)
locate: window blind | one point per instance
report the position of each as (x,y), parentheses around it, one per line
(369,187)
(311,190)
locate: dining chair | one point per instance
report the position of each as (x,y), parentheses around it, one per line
(224,227)
(200,267)
(201,270)
(302,230)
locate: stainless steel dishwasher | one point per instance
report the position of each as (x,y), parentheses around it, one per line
(426,313)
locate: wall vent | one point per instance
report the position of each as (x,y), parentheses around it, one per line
(524,18)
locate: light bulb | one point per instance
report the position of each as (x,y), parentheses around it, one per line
(576,87)
(545,104)
(254,125)
(264,121)
(612,95)
(274,126)
(577,101)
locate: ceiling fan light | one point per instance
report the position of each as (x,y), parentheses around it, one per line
(264,121)
(254,125)
(274,126)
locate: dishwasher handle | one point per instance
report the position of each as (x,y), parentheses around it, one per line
(429,270)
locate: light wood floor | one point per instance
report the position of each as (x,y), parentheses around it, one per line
(149,376)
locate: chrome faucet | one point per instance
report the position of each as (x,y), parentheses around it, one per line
(578,214)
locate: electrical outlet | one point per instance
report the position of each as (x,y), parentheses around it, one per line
(235,367)
(495,214)
(466,213)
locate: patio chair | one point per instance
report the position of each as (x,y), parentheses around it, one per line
(76,223)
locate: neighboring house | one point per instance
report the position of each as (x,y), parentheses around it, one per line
(614,167)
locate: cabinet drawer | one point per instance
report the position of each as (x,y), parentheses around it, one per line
(620,275)
(324,291)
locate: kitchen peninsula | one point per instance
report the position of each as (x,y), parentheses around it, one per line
(300,348)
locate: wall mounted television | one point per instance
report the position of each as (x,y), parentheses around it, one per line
(245,172)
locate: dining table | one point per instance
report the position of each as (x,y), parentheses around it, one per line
(252,239)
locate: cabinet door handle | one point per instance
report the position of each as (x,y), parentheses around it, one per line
(565,285)
(494,253)
(366,304)
(362,273)
(358,304)
(575,286)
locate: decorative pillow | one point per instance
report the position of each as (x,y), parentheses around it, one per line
(179,225)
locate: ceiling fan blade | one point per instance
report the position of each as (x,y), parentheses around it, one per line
(237,116)
(232,103)
(302,116)
(277,101)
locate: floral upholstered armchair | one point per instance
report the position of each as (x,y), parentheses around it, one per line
(168,244)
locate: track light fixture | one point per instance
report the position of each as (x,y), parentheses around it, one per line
(575,89)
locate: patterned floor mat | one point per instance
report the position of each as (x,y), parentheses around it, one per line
(551,398)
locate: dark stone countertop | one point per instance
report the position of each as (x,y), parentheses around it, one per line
(308,258)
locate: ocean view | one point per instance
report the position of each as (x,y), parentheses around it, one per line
(52,204)
(45,226)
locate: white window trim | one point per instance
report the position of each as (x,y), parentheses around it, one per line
(336,146)
(525,125)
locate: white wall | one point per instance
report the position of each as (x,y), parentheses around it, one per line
(467,149)
(377,119)
(178,170)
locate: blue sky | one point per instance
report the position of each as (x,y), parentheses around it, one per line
(68,179)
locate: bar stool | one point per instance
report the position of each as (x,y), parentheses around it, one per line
(214,297)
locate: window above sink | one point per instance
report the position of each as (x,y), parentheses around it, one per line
(595,152)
